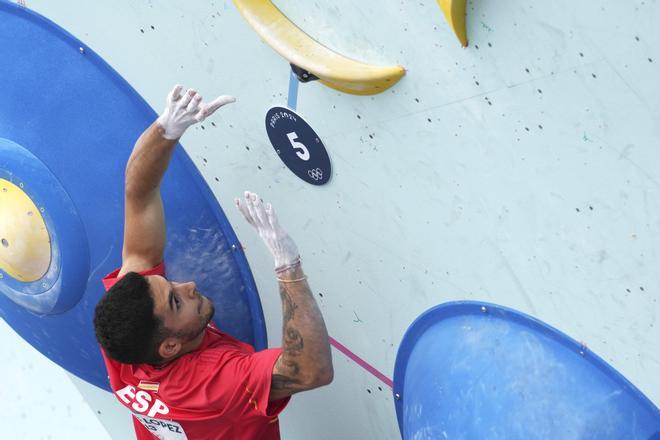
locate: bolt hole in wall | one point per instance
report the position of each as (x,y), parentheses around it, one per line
(4,242)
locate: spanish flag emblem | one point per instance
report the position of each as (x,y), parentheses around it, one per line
(149,386)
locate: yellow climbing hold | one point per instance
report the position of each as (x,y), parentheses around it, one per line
(454,11)
(25,250)
(333,70)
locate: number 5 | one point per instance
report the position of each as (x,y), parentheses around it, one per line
(301,149)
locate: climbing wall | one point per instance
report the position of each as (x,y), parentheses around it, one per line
(522,170)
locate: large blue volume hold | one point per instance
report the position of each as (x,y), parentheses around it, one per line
(75,121)
(468,370)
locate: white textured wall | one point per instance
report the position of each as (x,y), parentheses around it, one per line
(523,170)
(37,399)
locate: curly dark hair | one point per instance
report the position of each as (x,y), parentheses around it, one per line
(125,323)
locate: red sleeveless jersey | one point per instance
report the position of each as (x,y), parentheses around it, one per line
(219,391)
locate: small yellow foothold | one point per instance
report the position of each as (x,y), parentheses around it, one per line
(25,250)
(454,11)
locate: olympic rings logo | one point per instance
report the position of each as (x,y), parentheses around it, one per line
(316,173)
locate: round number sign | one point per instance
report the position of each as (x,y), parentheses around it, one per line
(298,146)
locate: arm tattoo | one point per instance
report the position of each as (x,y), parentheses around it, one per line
(288,381)
(293,341)
(293,345)
(289,306)
(280,382)
(300,366)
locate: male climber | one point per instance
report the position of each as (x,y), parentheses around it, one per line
(176,372)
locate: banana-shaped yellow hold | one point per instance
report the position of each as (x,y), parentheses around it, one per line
(333,70)
(454,11)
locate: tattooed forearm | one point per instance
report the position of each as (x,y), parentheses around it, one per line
(281,382)
(289,368)
(288,379)
(288,305)
(305,362)
(293,341)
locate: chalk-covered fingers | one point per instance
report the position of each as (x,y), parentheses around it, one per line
(262,217)
(260,211)
(242,208)
(175,94)
(183,103)
(250,199)
(272,218)
(183,111)
(254,212)
(207,109)
(193,107)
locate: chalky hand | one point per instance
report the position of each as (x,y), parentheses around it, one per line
(183,111)
(278,242)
